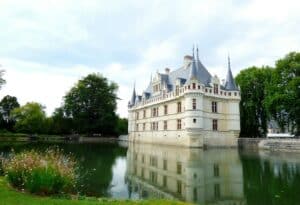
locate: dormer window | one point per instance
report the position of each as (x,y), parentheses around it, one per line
(216,88)
(156,88)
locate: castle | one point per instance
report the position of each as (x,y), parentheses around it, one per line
(186,107)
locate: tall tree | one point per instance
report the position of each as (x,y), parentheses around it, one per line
(7,104)
(2,81)
(253,113)
(91,104)
(30,118)
(283,101)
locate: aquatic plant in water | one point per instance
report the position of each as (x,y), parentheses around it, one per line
(46,173)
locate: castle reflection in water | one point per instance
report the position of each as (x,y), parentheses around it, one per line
(193,175)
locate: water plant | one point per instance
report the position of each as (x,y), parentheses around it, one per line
(45,173)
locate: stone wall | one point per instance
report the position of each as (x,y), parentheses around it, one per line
(286,145)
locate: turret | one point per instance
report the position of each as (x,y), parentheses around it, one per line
(230,83)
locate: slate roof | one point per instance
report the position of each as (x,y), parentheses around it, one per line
(230,83)
(194,70)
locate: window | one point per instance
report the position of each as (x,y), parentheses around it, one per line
(177,90)
(153,161)
(153,177)
(216,170)
(214,107)
(194,120)
(165,125)
(178,124)
(178,107)
(142,173)
(143,159)
(194,104)
(216,88)
(235,94)
(179,187)
(195,195)
(164,181)
(229,93)
(137,127)
(155,112)
(179,167)
(144,114)
(217,190)
(165,109)
(144,126)
(194,86)
(153,126)
(215,125)
(156,126)
(206,90)
(165,164)
(137,115)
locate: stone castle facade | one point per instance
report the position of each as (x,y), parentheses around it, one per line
(186,107)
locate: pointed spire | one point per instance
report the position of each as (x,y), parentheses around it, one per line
(193,71)
(203,75)
(132,101)
(230,83)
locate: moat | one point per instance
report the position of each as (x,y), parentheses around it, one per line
(213,176)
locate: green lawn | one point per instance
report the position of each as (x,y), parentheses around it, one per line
(9,196)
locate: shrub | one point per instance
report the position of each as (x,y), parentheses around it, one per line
(1,164)
(49,172)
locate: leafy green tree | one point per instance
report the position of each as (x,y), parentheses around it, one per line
(91,105)
(283,101)
(253,113)
(7,104)
(30,118)
(61,124)
(122,126)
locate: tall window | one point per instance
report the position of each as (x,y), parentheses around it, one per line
(179,168)
(155,112)
(165,125)
(194,86)
(215,124)
(179,124)
(137,127)
(179,107)
(165,109)
(214,106)
(144,114)
(144,126)
(216,170)
(216,88)
(194,104)
(177,90)
(137,115)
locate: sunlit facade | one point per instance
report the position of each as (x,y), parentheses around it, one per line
(186,107)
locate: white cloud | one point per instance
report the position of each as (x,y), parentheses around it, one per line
(46,46)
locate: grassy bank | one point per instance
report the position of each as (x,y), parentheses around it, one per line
(9,196)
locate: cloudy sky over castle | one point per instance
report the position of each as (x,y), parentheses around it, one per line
(46,46)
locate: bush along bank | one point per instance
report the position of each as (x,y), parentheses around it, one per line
(47,173)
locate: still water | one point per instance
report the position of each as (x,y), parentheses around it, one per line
(214,176)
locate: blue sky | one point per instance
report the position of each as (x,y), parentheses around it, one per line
(46,46)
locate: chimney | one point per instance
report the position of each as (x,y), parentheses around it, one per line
(167,70)
(187,60)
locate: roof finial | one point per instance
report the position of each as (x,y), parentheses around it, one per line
(229,67)
(193,50)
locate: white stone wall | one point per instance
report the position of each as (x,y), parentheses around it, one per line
(193,133)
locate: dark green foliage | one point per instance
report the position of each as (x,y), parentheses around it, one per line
(2,81)
(283,101)
(7,104)
(253,114)
(91,105)
(30,118)
(122,126)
